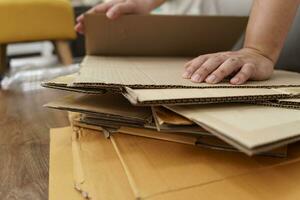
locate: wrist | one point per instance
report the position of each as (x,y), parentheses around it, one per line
(270,56)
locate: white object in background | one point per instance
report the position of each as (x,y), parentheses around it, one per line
(44,48)
(206,7)
(18,79)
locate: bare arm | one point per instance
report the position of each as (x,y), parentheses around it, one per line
(268,26)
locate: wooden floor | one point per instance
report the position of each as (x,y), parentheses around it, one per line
(24,143)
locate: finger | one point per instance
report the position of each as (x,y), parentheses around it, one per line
(104,7)
(192,66)
(224,70)
(80,18)
(79,28)
(122,8)
(207,67)
(244,74)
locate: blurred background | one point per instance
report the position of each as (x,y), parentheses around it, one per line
(38,41)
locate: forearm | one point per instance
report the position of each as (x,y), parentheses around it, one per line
(268,26)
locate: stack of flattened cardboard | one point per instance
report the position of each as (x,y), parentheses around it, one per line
(140,131)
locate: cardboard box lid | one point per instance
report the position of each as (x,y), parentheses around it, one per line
(250,128)
(202,96)
(113,105)
(158,72)
(156,35)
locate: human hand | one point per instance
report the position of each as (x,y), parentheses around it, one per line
(245,64)
(115,8)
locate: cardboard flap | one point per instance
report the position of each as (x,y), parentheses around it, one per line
(154,35)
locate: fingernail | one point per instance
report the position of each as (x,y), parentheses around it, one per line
(235,80)
(196,78)
(110,15)
(211,79)
(186,75)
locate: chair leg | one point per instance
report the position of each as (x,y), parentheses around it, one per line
(64,52)
(3,60)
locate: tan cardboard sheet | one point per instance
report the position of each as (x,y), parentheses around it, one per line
(109,105)
(65,83)
(102,175)
(160,168)
(203,139)
(157,72)
(250,128)
(163,170)
(61,179)
(156,35)
(203,96)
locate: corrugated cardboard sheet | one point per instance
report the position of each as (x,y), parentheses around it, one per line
(65,83)
(198,138)
(106,105)
(204,95)
(129,167)
(250,128)
(161,35)
(158,72)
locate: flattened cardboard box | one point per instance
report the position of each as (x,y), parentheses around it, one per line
(250,128)
(129,167)
(201,139)
(159,72)
(154,35)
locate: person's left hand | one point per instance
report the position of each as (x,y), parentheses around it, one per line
(245,64)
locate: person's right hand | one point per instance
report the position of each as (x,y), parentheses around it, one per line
(115,8)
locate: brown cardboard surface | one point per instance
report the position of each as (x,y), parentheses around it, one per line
(250,128)
(165,116)
(61,180)
(203,95)
(161,168)
(154,35)
(109,105)
(202,139)
(168,121)
(158,72)
(103,174)
(164,170)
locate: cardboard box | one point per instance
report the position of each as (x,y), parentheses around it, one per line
(156,35)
